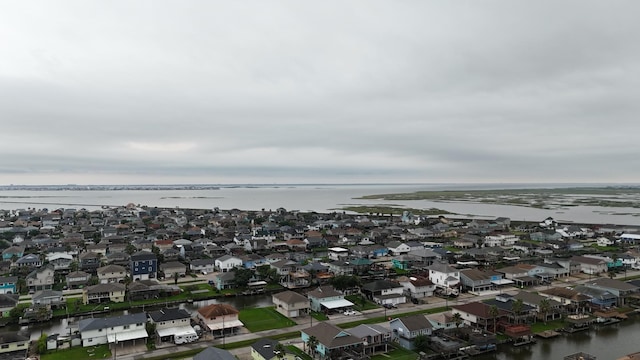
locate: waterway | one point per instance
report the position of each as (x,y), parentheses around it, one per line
(320,198)
(606,343)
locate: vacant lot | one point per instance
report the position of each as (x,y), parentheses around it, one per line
(260,319)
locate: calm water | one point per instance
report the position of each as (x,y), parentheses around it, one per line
(321,198)
(606,343)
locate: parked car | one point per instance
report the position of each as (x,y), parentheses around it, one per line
(349,312)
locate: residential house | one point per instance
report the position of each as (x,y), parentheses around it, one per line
(41,278)
(113,330)
(214,353)
(326,298)
(89,262)
(572,300)
(171,322)
(375,338)
(404,330)
(14,345)
(266,349)
(225,280)
(8,285)
(398,248)
(475,280)
(29,261)
(505,302)
(417,286)
(204,266)
(340,267)
(384,292)
(114,292)
(143,266)
(227,263)
(423,257)
(13,253)
(598,297)
(443,275)
(60,261)
(554,311)
(174,267)
(111,274)
(622,290)
(291,304)
(219,317)
(77,279)
(8,302)
(590,265)
(333,342)
(49,298)
(338,253)
(477,314)
(292,275)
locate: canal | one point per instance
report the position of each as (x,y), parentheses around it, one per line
(606,343)
(61,326)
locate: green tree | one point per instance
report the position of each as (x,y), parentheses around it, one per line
(130,249)
(517,307)
(494,312)
(543,308)
(41,346)
(312,344)
(280,351)
(242,277)
(421,343)
(457,318)
(175,278)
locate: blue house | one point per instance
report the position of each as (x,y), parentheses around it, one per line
(14,251)
(8,285)
(404,330)
(599,297)
(143,265)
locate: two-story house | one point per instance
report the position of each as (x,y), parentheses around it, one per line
(111,274)
(417,286)
(60,261)
(375,338)
(41,278)
(404,330)
(205,266)
(172,323)
(326,298)
(13,345)
(12,253)
(143,266)
(444,276)
(77,279)
(89,262)
(8,285)
(110,330)
(384,292)
(220,318)
(227,263)
(29,261)
(333,342)
(174,267)
(291,304)
(114,292)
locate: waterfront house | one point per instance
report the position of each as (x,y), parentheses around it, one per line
(143,266)
(404,330)
(620,289)
(266,349)
(477,314)
(225,280)
(326,298)
(8,302)
(48,298)
(554,311)
(291,304)
(505,302)
(171,322)
(573,301)
(333,342)
(227,263)
(110,330)
(292,275)
(214,353)
(113,292)
(111,274)
(375,338)
(77,279)
(204,266)
(340,267)
(173,267)
(384,292)
(41,278)
(222,318)
(8,284)
(13,345)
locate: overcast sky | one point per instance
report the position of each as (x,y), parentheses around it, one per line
(128,92)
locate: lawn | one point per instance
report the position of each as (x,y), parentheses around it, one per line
(550,325)
(358,305)
(266,318)
(319,316)
(80,353)
(299,353)
(396,354)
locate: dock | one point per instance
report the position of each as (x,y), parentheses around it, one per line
(548,334)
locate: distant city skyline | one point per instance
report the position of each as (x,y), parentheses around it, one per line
(282,92)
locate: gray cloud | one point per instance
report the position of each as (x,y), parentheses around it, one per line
(200,91)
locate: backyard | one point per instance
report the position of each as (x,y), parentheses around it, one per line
(266,318)
(79,353)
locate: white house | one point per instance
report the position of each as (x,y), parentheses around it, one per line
(111,274)
(338,253)
(96,331)
(202,265)
(397,248)
(603,241)
(60,261)
(172,323)
(444,275)
(417,287)
(227,263)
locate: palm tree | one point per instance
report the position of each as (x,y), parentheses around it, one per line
(312,343)
(457,318)
(517,307)
(279,351)
(494,313)
(543,308)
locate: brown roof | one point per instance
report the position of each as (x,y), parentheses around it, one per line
(323,292)
(215,310)
(290,297)
(476,308)
(587,260)
(331,336)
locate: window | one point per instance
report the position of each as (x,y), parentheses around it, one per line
(99,330)
(5,346)
(139,324)
(126,327)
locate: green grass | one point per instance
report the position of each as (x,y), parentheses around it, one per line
(296,350)
(80,353)
(358,305)
(550,325)
(266,318)
(319,316)
(396,354)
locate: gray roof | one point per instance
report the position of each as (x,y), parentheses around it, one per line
(214,353)
(265,347)
(290,297)
(47,294)
(381,285)
(169,314)
(101,323)
(363,330)
(416,322)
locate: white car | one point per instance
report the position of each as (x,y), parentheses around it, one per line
(349,312)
